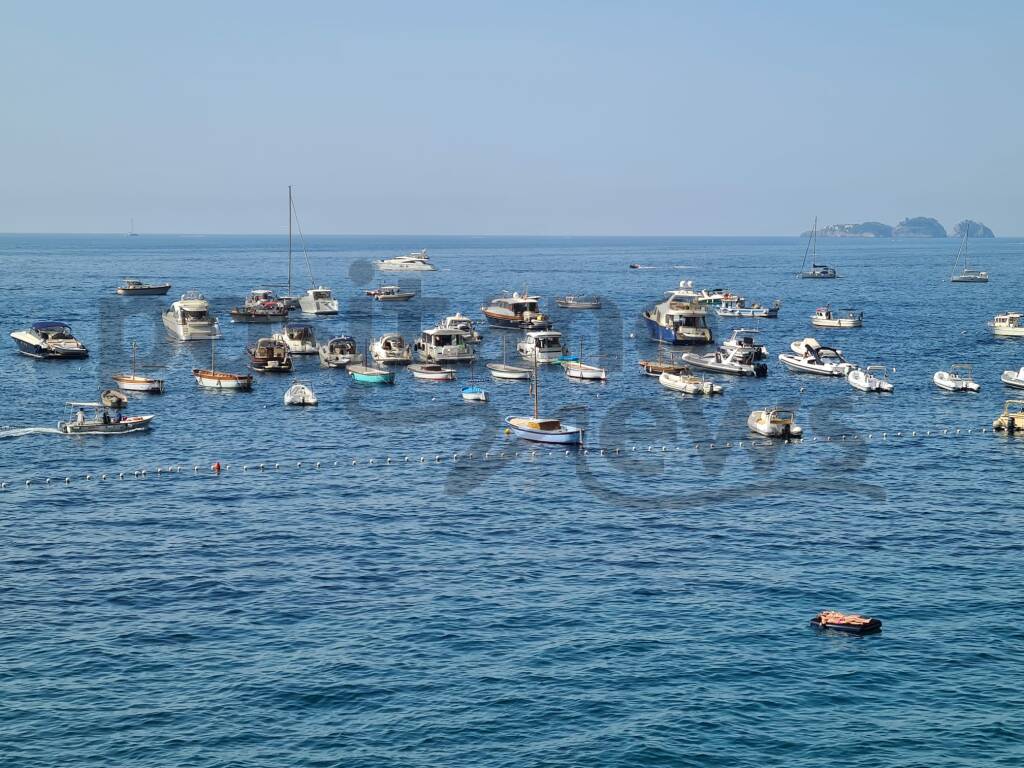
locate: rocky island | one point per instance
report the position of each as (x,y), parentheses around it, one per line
(919,226)
(977,229)
(864,229)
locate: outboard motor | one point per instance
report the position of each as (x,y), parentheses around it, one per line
(760,370)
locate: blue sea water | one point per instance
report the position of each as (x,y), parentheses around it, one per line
(643,607)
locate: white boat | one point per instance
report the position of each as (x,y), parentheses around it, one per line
(300,394)
(737,307)
(745,339)
(809,356)
(432,372)
(114,398)
(391,349)
(319,301)
(715,296)
(825,317)
(541,346)
(774,422)
(959,378)
(1013,378)
(505,371)
(1007,324)
(680,318)
(444,345)
(299,338)
(133,287)
(270,355)
(390,293)
(573,301)
(49,340)
(1011,420)
(817,271)
(95,419)
(516,311)
(417,261)
(736,362)
(543,430)
(474,394)
(581,371)
(966,275)
(133,382)
(260,306)
(874,378)
(211,378)
(189,318)
(689,384)
(460,322)
(339,352)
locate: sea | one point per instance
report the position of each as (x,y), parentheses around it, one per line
(390,579)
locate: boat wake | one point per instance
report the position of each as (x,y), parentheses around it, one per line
(22,431)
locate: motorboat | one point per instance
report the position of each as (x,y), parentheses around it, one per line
(417,261)
(189,318)
(261,306)
(270,355)
(746,339)
(541,346)
(318,301)
(680,318)
(49,340)
(737,307)
(826,317)
(774,422)
(505,371)
(366,374)
(133,382)
(817,271)
(95,419)
(736,362)
(689,384)
(1013,378)
(966,275)
(390,293)
(114,398)
(543,430)
(444,345)
(300,394)
(133,287)
(581,371)
(1007,324)
(460,322)
(474,393)
(339,352)
(516,311)
(959,378)
(432,372)
(572,301)
(715,296)
(391,349)
(664,363)
(874,378)
(1011,420)
(299,338)
(848,623)
(809,356)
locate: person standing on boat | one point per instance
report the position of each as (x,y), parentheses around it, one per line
(80,417)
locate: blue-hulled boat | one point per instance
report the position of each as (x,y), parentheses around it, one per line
(49,340)
(680,318)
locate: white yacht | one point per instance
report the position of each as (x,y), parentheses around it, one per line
(826,317)
(339,352)
(417,261)
(189,318)
(959,378)
(874,378)
(817,271)
(391,349)
(542,346)
(680,318)
(1007,324)
(735,361)
(318,301)
(299,338)
(809,356)
(1013,379)
(444,345)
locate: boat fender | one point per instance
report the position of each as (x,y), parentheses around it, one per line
(508,431)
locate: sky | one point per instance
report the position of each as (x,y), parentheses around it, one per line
(478,117)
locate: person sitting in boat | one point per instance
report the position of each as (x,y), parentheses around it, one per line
(117,417)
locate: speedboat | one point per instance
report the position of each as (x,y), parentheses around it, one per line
(270,355)
(339,352)
(572,301)
(541,346)
(299,338)
(874,378)
(446,345)
(49,340)
(189,318)
(715,296)
(808,356)
(366,374)
(391,349)
(737,307)
(261,306)
(318,301)
(516,311)
(133,382)
(460,322)
(1007,324)
(774,422)
(432,372)
(95,419)
(300,394)
(1011,420)
(680,318)
(689,384)
(966,275)
(959,378)
(745,339)
(1013,378)
(390,293)
(825,317)
(211,378)
(133,287)
(417,261)
(737,362)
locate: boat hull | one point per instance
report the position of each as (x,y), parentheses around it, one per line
(943,380)
(509,372)
(223,381)
(130,424)
(190,331)
(474,394)
(567,434)
(242,316)
(840,323)
(1010,379)
(31,346)
(757,370)
(149,290)
(797,364)
(138,383)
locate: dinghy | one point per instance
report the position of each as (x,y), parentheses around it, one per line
(1011,420)
(505,371)
(689,384)
(874,378)
(959,378)
(133,382)
(432,372)
(809,356)
(300,394)
(1013,378)
(774,422)
(543,430)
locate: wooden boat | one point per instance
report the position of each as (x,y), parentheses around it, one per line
(505,371)
(665,363)
(390,293)
(133,287)
(516,311)
(211,378)
(543,430)
(849,623)
(270,355)
(95,419)
(432,372)
(133,382)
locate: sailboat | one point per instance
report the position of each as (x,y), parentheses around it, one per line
(577,369)
(133,382)
(131,229)
(211,378)
(819,271)
(474,392)
(967,275)
(318,300)
(543,430)
(503,370)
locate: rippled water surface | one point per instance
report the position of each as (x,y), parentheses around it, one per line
(642,604)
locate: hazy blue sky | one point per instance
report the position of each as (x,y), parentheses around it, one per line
(516,117)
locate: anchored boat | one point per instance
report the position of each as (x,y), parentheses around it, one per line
(300,394)
(390,293)
(133,382)
(417,261)
(299,338)
(444,345)
(391,349)
(689,384)
(817,271)
(543,430)
(516,311)
(211,378)
(503,370)
(966,275)
(133,287)
(189,318)
(774,422)
(339,352)
(49,340)
(680,318)
(261,306)
(745,339)
(734,361)
(737,307)
(1013,378)
(572,301)
(824,317)
(432,372)
(270,355)
(959,378)
(541,346)
(874,378)
(459,322)
(1011,420)
(577,369)
(1007,324)
(809,356)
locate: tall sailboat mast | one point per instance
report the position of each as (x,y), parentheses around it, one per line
(289,239)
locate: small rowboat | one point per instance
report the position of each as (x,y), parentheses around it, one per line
(474,393)
(849,623)
(210,379)
(432,372)
(364,374)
